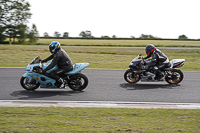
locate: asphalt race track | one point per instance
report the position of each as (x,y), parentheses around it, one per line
(104,85)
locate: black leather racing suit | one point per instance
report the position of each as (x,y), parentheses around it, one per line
(158,62)
(62,60)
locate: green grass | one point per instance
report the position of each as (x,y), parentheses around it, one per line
(98,57)
(122,43)
(58,119)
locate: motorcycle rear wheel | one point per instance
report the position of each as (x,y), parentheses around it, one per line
(131,77)
(175,78)
(29,86)
(78,82)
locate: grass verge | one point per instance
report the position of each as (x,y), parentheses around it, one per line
(58,119)
(98,57)
(122,43)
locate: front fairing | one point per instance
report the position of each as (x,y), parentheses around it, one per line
(134,63)
(30,74)
(34,63)
(29,68)
(42,79)
(138,58)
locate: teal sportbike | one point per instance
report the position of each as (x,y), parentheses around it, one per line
(32,79)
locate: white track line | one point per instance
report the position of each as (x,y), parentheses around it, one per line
(98,104)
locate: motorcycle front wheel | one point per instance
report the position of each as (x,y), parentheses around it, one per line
(78,82)
(131,77)
(29,86)
(175,77)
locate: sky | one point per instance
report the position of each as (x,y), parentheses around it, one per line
(122,18)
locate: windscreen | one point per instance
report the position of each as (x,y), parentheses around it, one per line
(138,58)
(36,60)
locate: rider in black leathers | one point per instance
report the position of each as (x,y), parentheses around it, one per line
(61,59)
(158,62)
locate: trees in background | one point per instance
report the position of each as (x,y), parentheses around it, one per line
(114,36)
(56,34)
(21,33)
(14,15)
(46,34)
(33,35)
(85,34)
(105,37)
(143,36)
(88,34)
(66,34)
(2,36)
(182,37)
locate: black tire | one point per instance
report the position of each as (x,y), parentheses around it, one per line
(29,86)
(175,78)
(78,82)
(131,77)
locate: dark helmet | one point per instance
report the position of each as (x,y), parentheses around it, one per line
(54,46)
(149,49)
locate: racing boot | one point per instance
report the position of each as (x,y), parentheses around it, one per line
(160,76)
(63,83)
